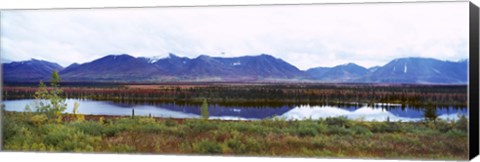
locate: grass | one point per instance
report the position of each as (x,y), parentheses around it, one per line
(331,137)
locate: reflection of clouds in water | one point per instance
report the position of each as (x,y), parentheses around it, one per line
(106,108)
(364,113)
(230,118)
(159,112)
(450,116)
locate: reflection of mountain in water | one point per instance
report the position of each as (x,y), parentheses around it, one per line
(413,112)
(300,112)
(369,113)
(363,113)
(219,111)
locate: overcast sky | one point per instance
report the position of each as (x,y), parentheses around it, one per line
(305,36)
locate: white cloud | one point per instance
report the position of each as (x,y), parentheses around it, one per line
(305,36)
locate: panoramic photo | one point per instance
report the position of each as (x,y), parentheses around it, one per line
(323,81)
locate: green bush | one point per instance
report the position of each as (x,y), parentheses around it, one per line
(236,145)
(22,139)
(89,127)
(310,128)
(341,121)
(145,120)
(80,142)
(67,138)
(250,128)
(276,122)
(386,127)
(9,128)
(207,147)
(253,145)
(112,130)
(38,119)
(338,131)
(56,134)
(462,123)
(361,130)
(319,142)
(456,133)
(307,131)
(200,126)
(443,126)
(170,122)
(151,128)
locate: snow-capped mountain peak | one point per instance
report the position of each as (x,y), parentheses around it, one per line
(154,59)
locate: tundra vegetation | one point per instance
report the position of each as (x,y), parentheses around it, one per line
(47,129)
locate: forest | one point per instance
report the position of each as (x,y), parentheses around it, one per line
(261,94)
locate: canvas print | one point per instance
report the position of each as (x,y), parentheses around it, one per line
(374,80)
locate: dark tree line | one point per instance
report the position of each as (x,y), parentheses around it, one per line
(281,94)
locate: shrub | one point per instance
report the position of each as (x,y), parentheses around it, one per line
(236,145)
(200,126)
(443,126)
(89,127)
(21,139)
(209,147)
(9,128)
(38,147)
(276,122)
(456,133)
(361,130)
(338,131)
(112,130)
(170,122)
(250,128)
(80,142)
(151,128)
(319,142)
(462,123)
(307,131)
(38,119)
(146,120)
(341,121)
(293,142)
(383,127)
(65,138)
(56,134)
(175,131)
(253,145)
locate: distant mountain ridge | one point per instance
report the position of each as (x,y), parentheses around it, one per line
(340,73)
(31,70)
(111,68)
(202,68)
(419,70)
(263,67)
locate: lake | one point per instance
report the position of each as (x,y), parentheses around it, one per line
(391,112)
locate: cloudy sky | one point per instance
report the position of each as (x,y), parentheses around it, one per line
(305,36)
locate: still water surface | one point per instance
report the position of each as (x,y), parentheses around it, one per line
(299,112)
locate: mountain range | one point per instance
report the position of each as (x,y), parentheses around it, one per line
(263,67)
(32,70)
